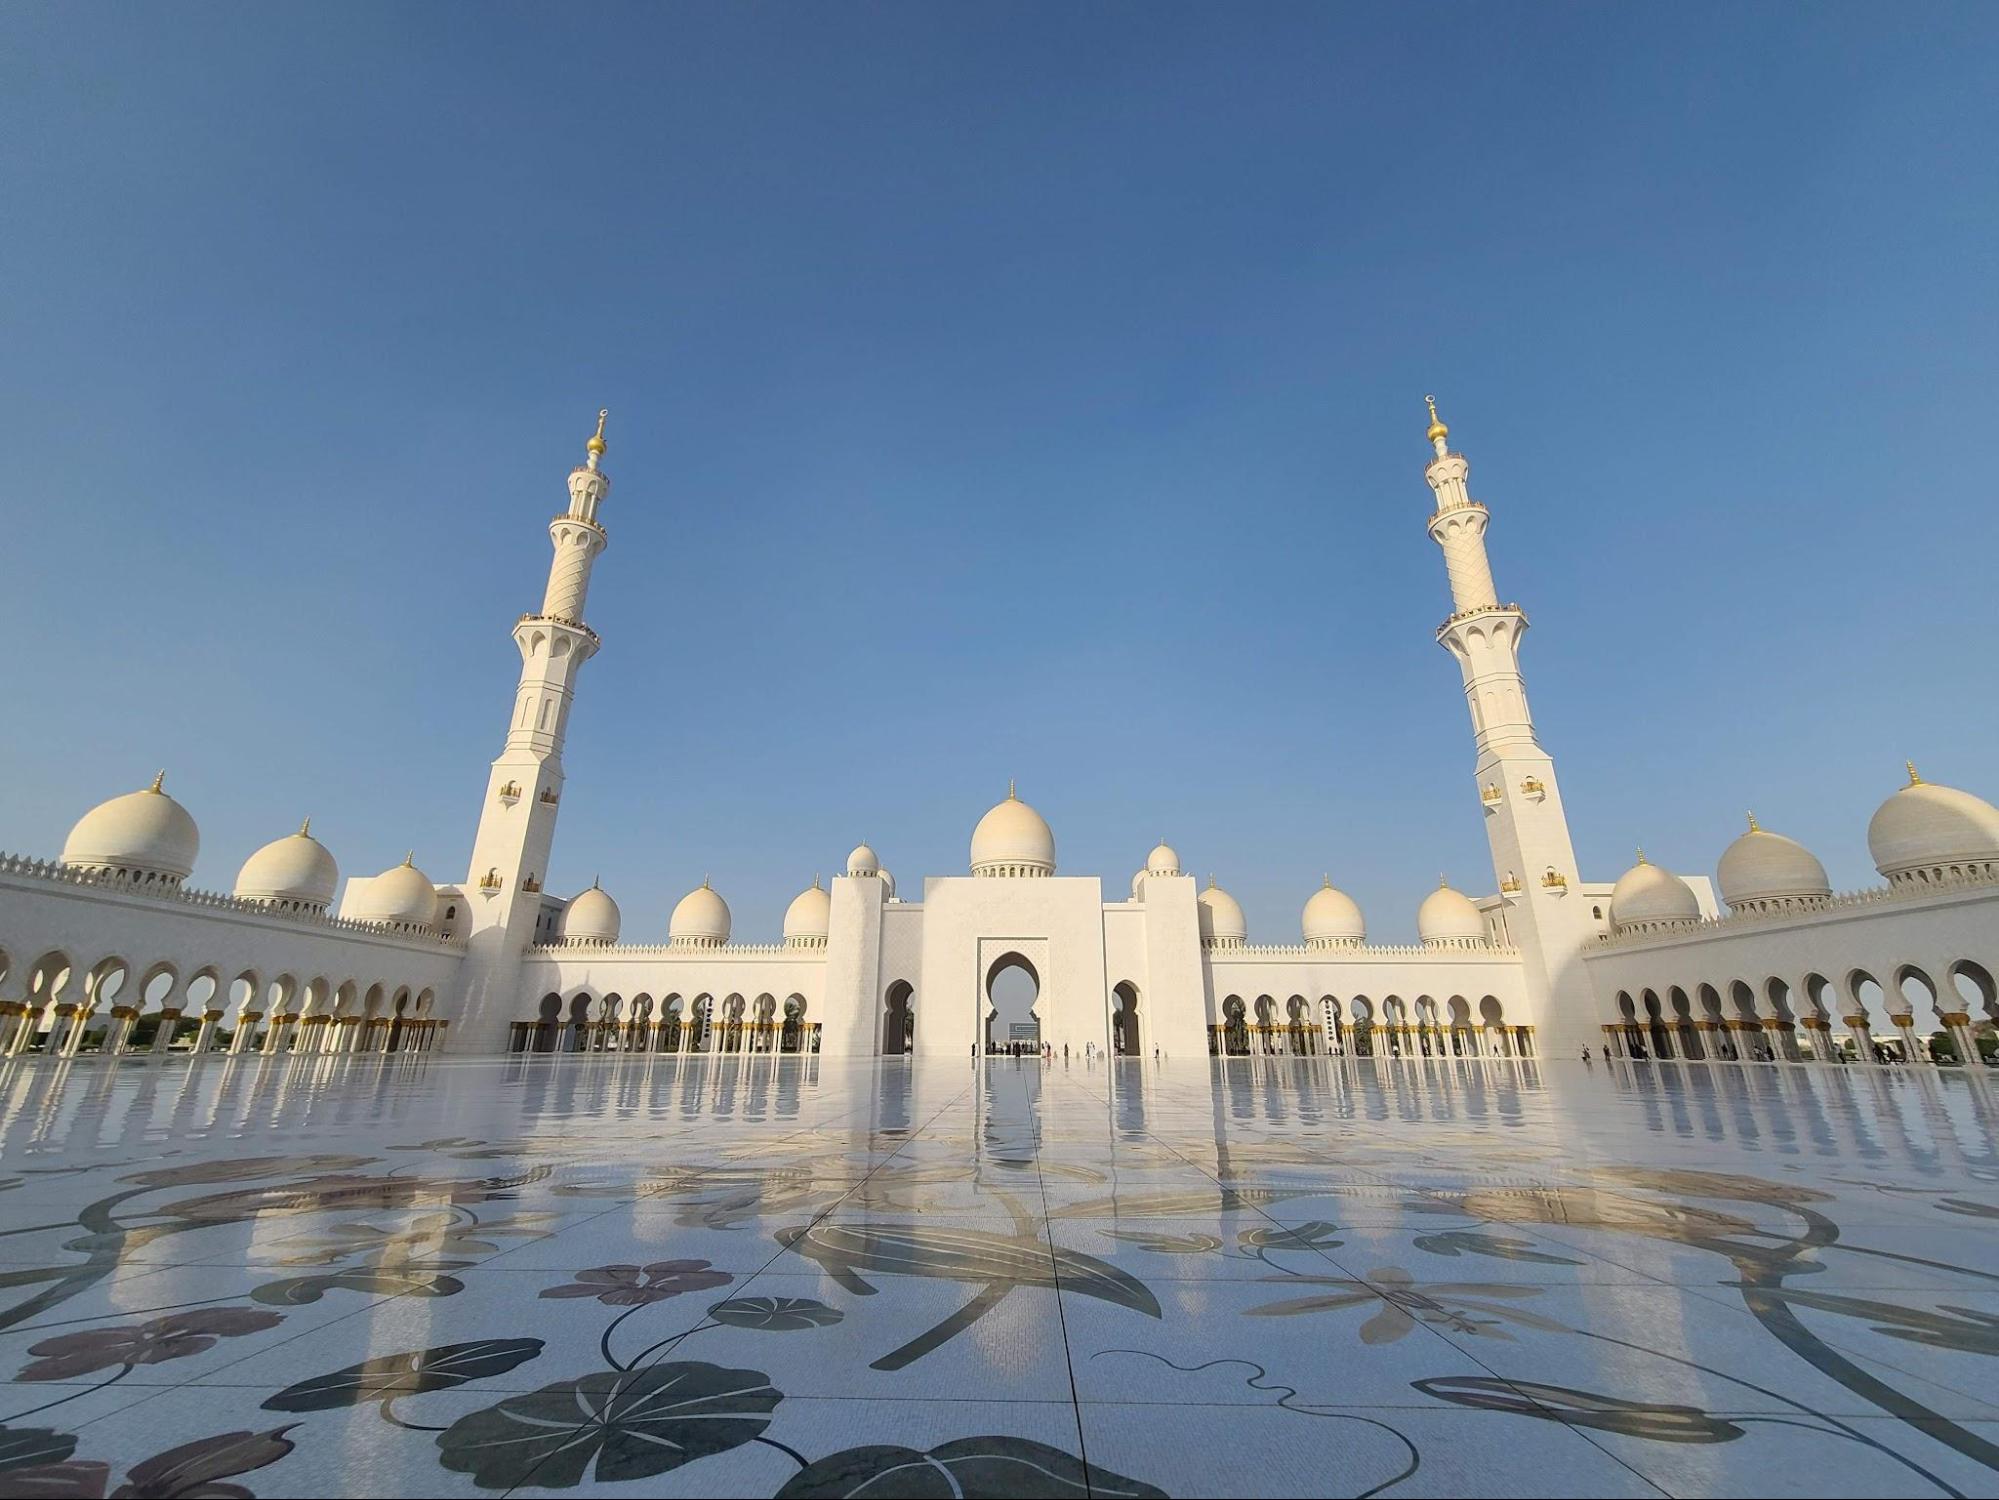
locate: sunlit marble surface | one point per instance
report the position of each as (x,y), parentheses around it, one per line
(796,1276)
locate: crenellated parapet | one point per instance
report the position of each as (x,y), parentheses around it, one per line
(55,872)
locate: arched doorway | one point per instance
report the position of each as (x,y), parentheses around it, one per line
(1012,987)
(1125,1040)
(899,1019)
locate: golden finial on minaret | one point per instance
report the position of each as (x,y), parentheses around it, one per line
(1752,824)
(1438,431)
(1914,779)
(597,445)
(158,778)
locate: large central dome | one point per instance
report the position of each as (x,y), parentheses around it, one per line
(1013,839)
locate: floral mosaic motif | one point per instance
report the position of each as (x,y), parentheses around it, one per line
(636,1286)
(176,1336)
(629,1424)
(1168,1244)
(432,1234)
(382,1277)
(408,1374)
(1573,1408)
(1455,1242)
(1964,1329)
(1316,1234)
(1002,1263)
(977,1468)
(775,1314)
(1400,1303)
(33,1447)
(192,1471)
(243,1169)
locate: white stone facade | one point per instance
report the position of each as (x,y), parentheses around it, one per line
(106,948)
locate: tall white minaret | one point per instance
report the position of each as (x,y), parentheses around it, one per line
(524,791)
(1532,858)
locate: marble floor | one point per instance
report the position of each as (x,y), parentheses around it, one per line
(804,1276)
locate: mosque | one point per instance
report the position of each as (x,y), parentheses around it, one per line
(107,948)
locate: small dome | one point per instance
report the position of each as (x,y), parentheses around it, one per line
(592,917)
(808,918)
(1929,828)
(402,897)
(141,833)
(1163,860)
(1763,869)
(1222,921)
(863,861)
(701,920)
(1332,918)
(1013,839)
(295,870)
(1646,894)
(1448,917)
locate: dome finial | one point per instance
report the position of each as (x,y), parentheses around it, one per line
(596,882)
(1443,881)
(1753,828)
(1326,881)
(1914,779)
(1641,855)
(597,445)
(1211,880)
(1011,794)
(158,778)
(1438,431)
(305,828)
(409,860)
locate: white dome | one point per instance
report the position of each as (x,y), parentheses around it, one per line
(701,920)
(143,833)
(402,897)
(297,869)
(1221,917)
(808,917)
(1013,839)
(592,917)
(863,861)
(1763,868)
(1925,827)
(1333,917)
(1447,916)
(1163,860)
(1646,894)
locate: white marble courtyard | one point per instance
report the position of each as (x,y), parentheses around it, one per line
(801,1276)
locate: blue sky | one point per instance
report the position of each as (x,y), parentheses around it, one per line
(996,391)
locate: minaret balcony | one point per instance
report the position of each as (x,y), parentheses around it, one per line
(510,793)
(1533,789)
(1556,882)
(1492,796)
(576,625)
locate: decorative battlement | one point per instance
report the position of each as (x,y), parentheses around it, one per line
(57,873)
(1362,955)
(565,947)
(1801,914)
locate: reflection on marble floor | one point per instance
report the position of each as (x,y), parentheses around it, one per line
(802,1276)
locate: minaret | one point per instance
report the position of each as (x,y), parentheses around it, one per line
(1532,857)
(524,791)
